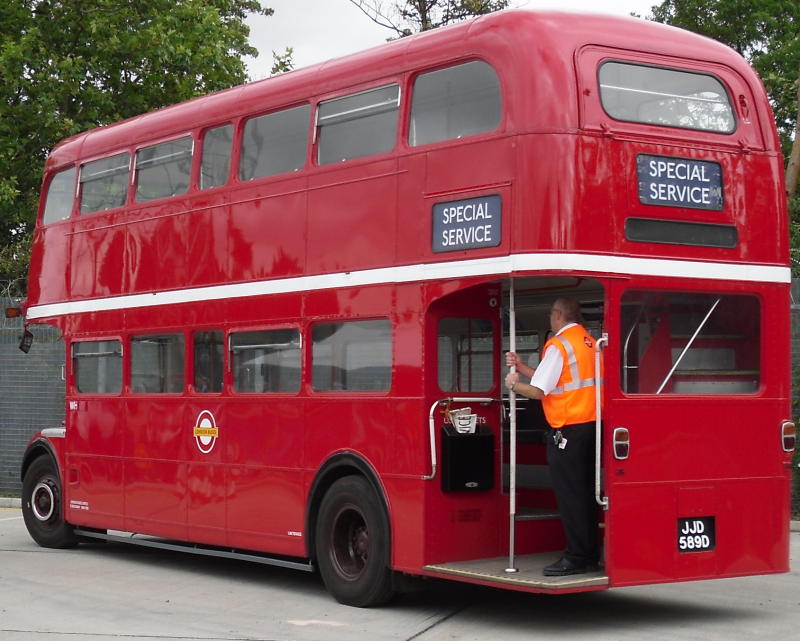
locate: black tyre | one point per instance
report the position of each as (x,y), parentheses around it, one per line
(42,506)
(353,544)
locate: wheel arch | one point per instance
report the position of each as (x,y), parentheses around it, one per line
(37,448)
(336,467)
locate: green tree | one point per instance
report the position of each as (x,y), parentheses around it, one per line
(70,65)
(767,34)
(412,16)
(282,62)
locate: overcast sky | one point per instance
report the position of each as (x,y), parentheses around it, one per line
(323,29)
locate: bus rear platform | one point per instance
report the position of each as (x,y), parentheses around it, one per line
(527,578)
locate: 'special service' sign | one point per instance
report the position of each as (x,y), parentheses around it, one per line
(467,224)
(679,182)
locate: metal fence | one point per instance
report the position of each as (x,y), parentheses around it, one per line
(31,392)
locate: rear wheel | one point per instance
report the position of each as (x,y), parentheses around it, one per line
(42,506)
(352,543)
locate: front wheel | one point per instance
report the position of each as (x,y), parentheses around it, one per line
(42,506)
(352,543)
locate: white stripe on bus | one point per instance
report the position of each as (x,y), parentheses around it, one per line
(593,263)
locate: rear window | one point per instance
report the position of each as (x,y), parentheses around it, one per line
(665,97)
(690,343)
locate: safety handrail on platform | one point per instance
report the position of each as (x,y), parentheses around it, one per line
(598,425)
(432,425)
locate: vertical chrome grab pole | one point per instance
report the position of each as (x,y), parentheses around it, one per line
(512,446)
(598,427)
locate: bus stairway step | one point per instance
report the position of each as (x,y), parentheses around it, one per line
(536,514)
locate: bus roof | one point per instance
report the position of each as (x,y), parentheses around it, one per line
(500,38)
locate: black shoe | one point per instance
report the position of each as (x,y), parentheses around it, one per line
(565,567)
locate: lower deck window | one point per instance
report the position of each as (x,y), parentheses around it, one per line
(208,362)
(352,356)
(690,343)
(157,364)
(266,361)
(97,366)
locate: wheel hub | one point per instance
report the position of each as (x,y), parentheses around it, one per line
(43,501)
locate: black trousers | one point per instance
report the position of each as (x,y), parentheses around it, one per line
(572,473)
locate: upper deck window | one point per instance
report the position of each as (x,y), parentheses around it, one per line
(358,125)
(163,170)
(60,196)
(455,102)
(216,157)
(275,144)
(666,97)
(104,183)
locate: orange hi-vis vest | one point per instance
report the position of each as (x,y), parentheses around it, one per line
(573,399)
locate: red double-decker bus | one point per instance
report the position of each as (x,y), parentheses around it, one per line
(285,308)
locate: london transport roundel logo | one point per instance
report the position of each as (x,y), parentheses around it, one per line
(206,431)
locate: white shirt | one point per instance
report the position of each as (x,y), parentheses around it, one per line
(546,376)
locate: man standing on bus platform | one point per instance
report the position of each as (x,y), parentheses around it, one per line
(565,383)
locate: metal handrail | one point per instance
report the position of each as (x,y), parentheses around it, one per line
(598,429)
(625,366)
(432,426)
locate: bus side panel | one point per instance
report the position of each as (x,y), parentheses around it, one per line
(450,175)
(267,231)
(94,476)
(263,444)
(96,260)
(207,241)
(155,466)
(350,225)
(206,484)
(565,178)
(156,253)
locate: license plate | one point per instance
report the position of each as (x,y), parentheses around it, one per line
(697,534)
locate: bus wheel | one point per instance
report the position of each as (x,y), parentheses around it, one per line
(352,544)
(42,508)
